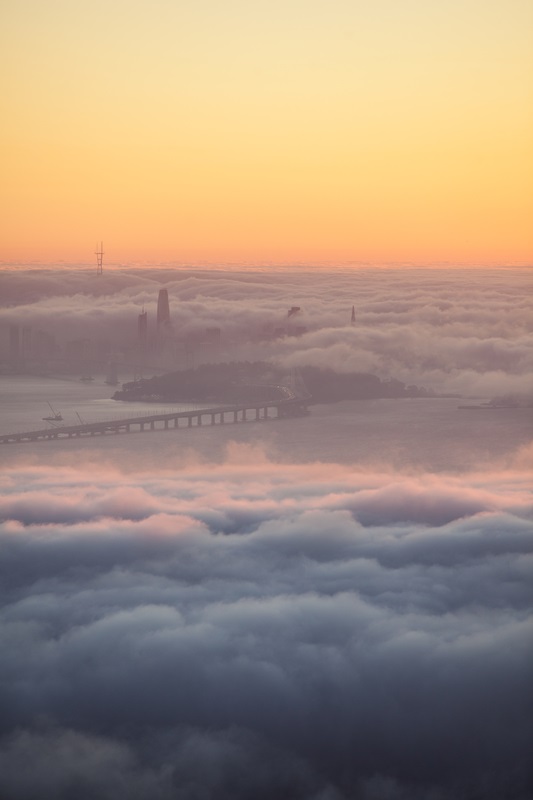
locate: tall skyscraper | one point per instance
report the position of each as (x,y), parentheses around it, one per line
(142,328)
(163,310)
(353,315)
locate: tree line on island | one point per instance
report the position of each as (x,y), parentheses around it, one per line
(239,382)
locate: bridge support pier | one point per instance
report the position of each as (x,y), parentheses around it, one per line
(286,408)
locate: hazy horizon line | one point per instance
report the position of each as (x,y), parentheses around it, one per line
(256,265)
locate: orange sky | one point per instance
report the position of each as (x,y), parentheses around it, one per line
(282,131)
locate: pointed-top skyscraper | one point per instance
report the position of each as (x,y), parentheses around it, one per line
(353,315)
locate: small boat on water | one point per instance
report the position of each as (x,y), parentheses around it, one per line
(86,378)
(54,416)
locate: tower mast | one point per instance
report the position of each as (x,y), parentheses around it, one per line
(99,253)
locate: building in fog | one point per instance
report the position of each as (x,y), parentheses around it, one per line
(78,350)
(352,320)
(26,341)
(44,345)
(163,310)
(14,343)
(213,335)
(292,329)
(142,329)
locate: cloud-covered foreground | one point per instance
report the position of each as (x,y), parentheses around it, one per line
(251,630)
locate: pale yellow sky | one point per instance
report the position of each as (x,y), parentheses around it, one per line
(294,131)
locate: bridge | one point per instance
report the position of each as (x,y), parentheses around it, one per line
(290,406)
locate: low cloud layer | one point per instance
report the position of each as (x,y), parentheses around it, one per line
(260,630)
(466,331)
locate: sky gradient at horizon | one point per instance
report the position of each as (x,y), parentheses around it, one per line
(287,132)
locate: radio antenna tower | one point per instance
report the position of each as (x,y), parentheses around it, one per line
(99,253)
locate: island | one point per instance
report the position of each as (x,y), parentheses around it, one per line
(238,382)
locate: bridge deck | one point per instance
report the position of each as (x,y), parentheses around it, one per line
(286,407)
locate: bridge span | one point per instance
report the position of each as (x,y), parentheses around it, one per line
(248,412)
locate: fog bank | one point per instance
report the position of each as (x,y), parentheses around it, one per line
(251,629)
(468,331)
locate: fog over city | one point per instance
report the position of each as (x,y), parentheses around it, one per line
(468,332)
(329,606)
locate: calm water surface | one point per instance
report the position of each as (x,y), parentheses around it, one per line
(423,433)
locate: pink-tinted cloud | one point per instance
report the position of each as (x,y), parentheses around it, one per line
(246,628)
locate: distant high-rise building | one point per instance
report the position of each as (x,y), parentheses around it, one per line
(78,350)
(163,309)
(43,344)
(14,342)
(353,315)
(290,328)
(26,340)
(213,334)
(142,328)
(102,348)
(112,374)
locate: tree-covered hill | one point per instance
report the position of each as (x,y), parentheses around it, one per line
(249,382)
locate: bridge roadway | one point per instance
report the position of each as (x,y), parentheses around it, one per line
(289,407)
